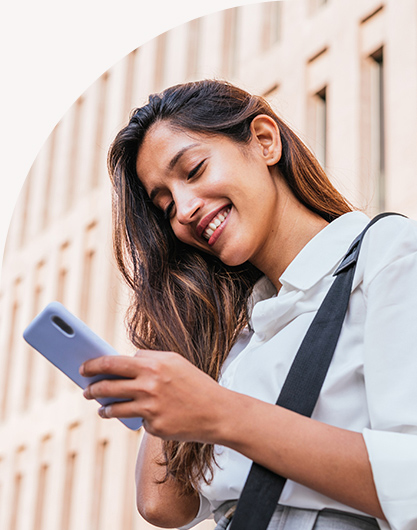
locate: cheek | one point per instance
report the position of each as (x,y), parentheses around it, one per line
(181,232)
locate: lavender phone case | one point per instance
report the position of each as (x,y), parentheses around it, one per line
(67,342)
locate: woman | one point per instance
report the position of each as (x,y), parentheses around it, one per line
(228,231)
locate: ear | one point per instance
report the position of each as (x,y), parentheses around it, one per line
(266,134)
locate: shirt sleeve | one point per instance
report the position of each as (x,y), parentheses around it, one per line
(390,372)
(204,512)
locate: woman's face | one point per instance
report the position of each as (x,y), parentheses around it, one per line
(218,195)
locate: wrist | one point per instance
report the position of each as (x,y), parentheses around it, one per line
(234,417)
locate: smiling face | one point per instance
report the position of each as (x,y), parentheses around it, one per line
(220,196)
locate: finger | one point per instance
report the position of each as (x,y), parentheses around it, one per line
(116,388)
(127,409)
(147,353)
(119,365)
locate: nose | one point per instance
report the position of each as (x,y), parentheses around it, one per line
(187,208)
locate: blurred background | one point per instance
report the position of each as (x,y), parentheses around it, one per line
(342,74)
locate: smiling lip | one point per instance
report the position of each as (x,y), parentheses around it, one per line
(217,233)
(208,218)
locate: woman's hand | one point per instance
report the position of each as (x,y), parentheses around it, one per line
(175,399)
(178,401)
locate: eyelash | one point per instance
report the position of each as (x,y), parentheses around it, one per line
(191,174)
(195,170)
(168,210)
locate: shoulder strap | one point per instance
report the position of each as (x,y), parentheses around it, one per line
(301,388)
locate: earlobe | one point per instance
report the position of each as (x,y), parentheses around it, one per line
(266,133)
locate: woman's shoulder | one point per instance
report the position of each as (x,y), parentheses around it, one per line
(392,232)
(391,239)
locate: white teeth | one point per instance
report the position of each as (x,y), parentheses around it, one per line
(215,223)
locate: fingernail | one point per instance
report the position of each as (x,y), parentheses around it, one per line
(81,370)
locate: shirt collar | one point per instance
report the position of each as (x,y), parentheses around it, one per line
(324,251)
(321,255)
(262,290)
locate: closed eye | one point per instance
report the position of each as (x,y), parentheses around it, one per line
(168,211)
(195,170)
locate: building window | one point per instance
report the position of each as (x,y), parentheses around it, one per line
(321,126)
(230,41)
(17,506)
(377,127)
(68,507)
(62,283)
(16,502)
(193,49)
(49,177)
(131,451)
(74,150)
(130,81)
(317,84)
(112,313)
(30,353)
(67,501)
(10,345)
(272,24)
(99,147)
(25,208)
(40,496)
(87,278)
(42,487)
(372,141)
(100,476)
(160,57)
(89,267)
(63,269)
(318,125)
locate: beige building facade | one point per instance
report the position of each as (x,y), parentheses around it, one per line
(342,74)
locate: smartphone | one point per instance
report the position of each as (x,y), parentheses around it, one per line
(67,342)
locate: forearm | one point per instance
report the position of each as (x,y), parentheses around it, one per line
(161,504)
(182,403)
(328,459)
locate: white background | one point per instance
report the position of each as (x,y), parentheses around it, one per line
(51,51)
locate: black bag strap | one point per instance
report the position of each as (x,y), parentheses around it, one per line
(302,386)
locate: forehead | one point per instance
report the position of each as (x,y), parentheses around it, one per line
(165,135)
(162,143)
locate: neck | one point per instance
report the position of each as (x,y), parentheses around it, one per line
(295,226)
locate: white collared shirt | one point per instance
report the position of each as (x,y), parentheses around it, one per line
(371,386)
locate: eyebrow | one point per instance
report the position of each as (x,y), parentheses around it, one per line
(180,153)
(172,163)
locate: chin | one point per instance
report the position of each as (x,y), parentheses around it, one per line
(233,260)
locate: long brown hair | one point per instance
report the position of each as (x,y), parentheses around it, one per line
(184,300)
